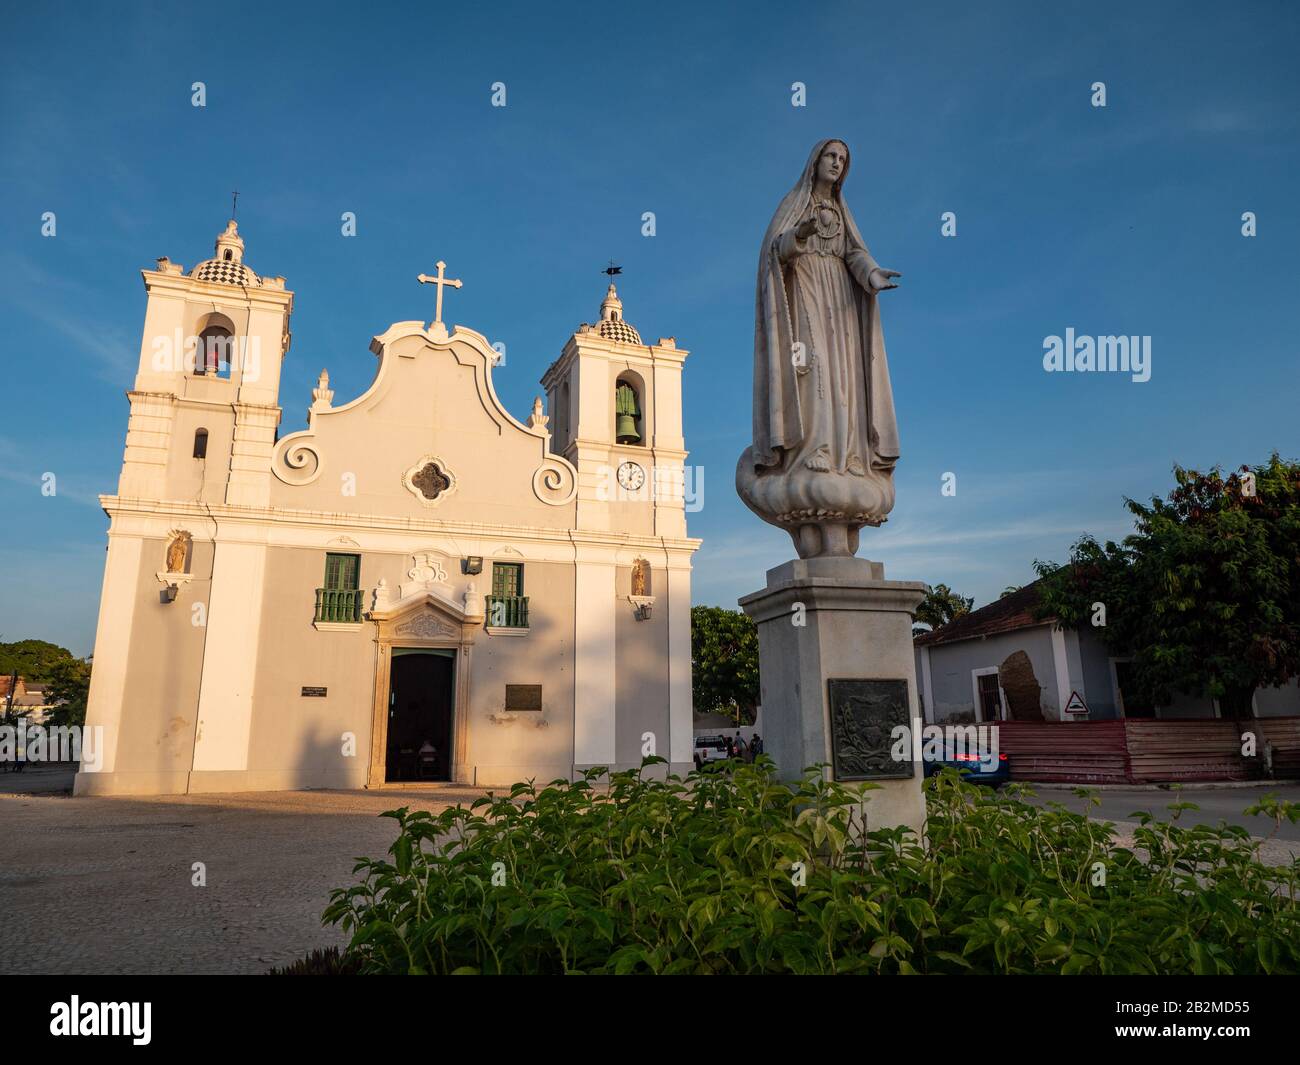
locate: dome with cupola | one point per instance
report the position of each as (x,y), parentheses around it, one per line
(226,267)
(611,325)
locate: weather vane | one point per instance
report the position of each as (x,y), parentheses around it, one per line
(611,269)
(234,200)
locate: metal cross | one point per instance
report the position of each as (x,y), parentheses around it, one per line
(440,281)
(234,200)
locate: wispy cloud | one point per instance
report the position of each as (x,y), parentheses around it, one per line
(107,348)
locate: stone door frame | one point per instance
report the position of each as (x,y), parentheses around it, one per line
(423,621)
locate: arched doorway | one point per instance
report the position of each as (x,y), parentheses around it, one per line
(422,683)
(421,712)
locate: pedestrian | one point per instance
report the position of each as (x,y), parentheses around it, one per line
(742,751)
(756,745)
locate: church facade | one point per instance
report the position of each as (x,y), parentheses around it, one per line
(418,586)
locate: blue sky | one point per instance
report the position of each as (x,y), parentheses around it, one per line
(1117,220)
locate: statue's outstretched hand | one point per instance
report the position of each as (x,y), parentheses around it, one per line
(806,229)
(880,279)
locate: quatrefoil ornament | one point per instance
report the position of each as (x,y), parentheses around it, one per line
(429,480)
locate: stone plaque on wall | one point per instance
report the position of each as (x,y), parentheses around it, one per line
(523,696)
(863,713)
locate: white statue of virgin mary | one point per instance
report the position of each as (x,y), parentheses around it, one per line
(825,438)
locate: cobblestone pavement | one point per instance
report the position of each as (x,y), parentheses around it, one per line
(102,885)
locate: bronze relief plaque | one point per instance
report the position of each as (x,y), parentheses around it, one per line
(863,714)
(523,697)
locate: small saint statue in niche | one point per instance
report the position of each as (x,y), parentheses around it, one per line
(825,438)
(641,577)
(178,552)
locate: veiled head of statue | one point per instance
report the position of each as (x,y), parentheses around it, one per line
(832,162)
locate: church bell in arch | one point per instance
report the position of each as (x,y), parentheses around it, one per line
(625,408)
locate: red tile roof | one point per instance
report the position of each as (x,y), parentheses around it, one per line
(1015,611)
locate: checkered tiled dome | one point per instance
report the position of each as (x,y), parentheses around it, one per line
(611,325)
(617,329)
(225,272)
(226,267)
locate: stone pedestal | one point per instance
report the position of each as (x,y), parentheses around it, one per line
(838,672)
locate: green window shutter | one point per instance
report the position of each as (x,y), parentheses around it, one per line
(342,571)
(507,579)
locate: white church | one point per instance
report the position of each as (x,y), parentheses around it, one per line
(416,587)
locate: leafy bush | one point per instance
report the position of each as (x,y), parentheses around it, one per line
(698,876)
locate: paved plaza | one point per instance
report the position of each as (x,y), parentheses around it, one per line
(103,885)
(1215,804)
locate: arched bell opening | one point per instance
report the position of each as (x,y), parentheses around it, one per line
(214,354)
(629,409)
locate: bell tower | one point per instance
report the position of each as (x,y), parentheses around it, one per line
(204,408)
(616,414)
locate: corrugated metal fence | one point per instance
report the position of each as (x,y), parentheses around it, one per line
(1143,752)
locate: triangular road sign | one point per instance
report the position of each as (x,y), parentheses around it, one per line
(1076,705)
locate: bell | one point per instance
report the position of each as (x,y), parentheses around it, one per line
(626,429)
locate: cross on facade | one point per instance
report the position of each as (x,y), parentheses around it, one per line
(440,281)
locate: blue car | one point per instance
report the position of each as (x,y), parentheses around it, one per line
(971,767)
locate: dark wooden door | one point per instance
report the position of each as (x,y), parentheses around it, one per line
(420,706)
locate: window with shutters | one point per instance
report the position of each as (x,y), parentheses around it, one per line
(507,578)
(339,601)
(341,571)
(507,606)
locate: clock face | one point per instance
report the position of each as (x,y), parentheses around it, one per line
(631,476)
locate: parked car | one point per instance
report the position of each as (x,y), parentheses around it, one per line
(710,749)
(972,768)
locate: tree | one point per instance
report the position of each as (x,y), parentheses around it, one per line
(1205,594)
(33,659)
(724,663)
(940,606)
(67,691)
(1010,589)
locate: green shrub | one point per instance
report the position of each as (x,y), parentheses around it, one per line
(697,876)
(327,962)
